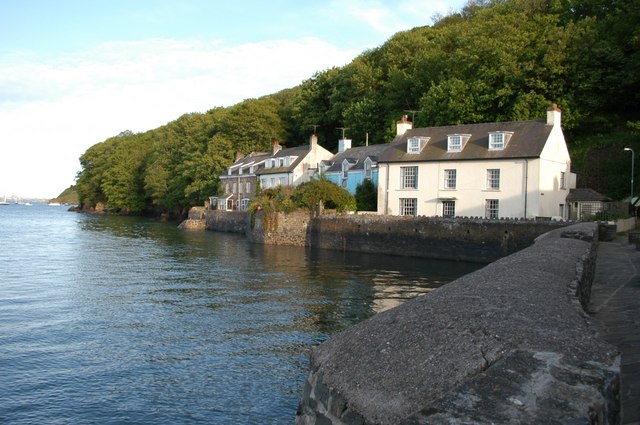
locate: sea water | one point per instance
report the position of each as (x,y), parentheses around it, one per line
(114,320)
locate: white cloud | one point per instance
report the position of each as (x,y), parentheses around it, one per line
(52,110)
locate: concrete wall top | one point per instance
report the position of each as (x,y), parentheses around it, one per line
(506,344)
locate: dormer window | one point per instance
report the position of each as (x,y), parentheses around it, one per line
(345,168)
(240,170)
(416,144)
(228,171)
(498,140)
(456,142)
(367,168)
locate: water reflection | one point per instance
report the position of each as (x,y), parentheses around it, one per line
(133,320)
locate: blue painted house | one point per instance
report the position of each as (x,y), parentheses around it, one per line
(351,166)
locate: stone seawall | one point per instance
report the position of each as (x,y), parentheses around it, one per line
(464,239)
(509,343)
(227,221)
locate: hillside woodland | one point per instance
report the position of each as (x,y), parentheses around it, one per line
(497,60)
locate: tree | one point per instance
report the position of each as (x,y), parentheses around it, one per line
(366,196)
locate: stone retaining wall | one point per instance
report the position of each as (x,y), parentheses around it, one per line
(509,343)
(227,221)
(464,239)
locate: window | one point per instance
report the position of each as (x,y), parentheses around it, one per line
(240,171)
(244,205)
(413,145)
(561,211)
(448,208)
(367,169)
(283,181)
(226,188)
(345,168)
(455,143)
(449,179)
(493,179)
(281,162)
(562,180)
(240,187)
(248,185)
(416,144)
(408,177)
(408,206)
(491,208)
(235,187)
(496,141)
(272,183)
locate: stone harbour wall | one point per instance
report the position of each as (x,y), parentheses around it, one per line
(464,239)
(226,221)
(509,343)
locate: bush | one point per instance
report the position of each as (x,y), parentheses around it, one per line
(367,196)
(317,194)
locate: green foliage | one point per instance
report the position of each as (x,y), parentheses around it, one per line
(366,196)
(495,60)
(316,194)
(68,196)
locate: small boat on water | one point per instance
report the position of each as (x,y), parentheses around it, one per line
(5,201)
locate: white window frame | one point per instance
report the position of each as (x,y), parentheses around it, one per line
(448,208)
(492,209)
(409,177)
(226,188)
(367,168)
(345,169)
(454,143)
(493,179)
(497,141)
(408,206)
(450,178)
(248,187)
(413,145)
(244,204)
(235,187)
(283,181)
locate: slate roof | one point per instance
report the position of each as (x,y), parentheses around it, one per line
(527,141)
(356,156)
(299,151)
(586,195)
(245,162)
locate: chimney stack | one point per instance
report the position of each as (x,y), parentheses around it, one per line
(553,115)
(343,145)
(276,147)
(314,141)
(403,125)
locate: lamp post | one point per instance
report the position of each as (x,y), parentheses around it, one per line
(633,155)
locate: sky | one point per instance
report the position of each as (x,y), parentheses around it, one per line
(75,72)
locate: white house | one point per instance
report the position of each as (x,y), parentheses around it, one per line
(292,166)
(517,169)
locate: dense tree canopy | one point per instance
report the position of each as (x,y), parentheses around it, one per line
(495,60)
